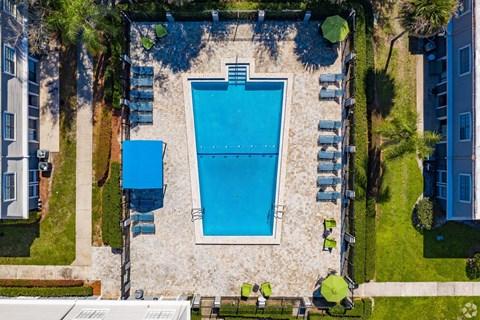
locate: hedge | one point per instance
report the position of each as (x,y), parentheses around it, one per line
(39,283)
(112,209)
(253,311)
(103,143)
(112,92)
(364,221)
(362,310)
(46,292)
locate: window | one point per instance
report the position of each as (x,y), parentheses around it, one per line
(9,186)
(464,6)
(9,126)
(33,183)
(464,126)
(9,60)
(464,60)
(32,129)
(33,100)
(465,187)
(9,6)
(32,71)
(442,184)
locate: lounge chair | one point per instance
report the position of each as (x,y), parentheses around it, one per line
(266,289)
(160,31)
(141,106)
(329,155)
(147,43)
(327,78)
(324,166)
(141,94)
(330,224)
(329,139)
(246,290)
(330,243)
(327,94)
(328,196)
(143,70)
(136,229)
(144,217)
(329,125)
(328,181)
(142,82)
(147,228)
(141,117)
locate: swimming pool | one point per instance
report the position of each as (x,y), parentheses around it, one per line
(237,133)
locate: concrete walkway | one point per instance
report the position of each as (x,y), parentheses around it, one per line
(49,102)
(45,272)
(83,221)
(417,289)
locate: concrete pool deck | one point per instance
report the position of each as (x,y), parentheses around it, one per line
(170,263)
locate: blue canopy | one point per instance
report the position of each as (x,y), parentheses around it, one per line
(142,164)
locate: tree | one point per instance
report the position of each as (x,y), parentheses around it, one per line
(423,18)
(94,22)
(400,136)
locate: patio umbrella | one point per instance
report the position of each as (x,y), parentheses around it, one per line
(334,288)
(335,29)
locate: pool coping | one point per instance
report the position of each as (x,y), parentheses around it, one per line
(287,78)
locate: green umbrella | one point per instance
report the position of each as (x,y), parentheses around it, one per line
(334,288)
(335,29)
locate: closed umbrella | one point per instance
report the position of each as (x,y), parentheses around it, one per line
(335,29)
(334,288)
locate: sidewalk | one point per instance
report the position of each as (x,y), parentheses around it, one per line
(83,222)
(44,272)
(417,289)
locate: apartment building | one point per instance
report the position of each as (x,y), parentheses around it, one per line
(19,92)
(451,59)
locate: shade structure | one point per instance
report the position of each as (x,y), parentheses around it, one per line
(142,164)
(335,29)
(334,288)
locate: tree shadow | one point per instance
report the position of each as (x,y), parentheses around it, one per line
(268,35)
(16,240)
(377,170)
(178,49)
(312,50)
(453,240)
(384,92)
(68,85)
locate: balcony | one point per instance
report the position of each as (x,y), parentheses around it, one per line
(441,112)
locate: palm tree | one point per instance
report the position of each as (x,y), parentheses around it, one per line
(400,136)
(423,18)
(94,22)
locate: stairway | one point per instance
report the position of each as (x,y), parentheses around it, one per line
(237,74)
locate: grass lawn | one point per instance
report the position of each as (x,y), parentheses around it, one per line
(402,253)
(431,308)
(52,241)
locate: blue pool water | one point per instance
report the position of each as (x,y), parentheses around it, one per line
(237,129)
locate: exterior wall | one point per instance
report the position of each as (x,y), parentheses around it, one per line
(460,154)
(14,98)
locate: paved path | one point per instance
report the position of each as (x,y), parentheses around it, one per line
(49,102)
(417,289)
(83,221)
(44,272)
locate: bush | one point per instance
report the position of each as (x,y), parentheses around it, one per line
(112,209)
(337,310)
(423,214)
(46,292)
(101,157)
(40,283)
(362,310)
(473,267)
(253,311)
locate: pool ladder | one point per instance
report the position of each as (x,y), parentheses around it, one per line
(197,214)
(278,210)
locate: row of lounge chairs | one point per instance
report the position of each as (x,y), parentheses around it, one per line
(141,95)
(143,217)
(331,78)
(160,32)
(265,289)
(329,242)
(329,161)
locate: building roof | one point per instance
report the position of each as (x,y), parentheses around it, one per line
(142,164)
(53,309)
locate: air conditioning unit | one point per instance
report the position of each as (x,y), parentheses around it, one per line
(44,166)
(42,154)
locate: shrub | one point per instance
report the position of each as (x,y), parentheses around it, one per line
(253,311)
(473,267)
(362,310)
(112,209)
(337,310)
(46,292)
(39,283)
(101,157)
(423,214)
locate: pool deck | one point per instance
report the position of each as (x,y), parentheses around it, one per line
(169,263)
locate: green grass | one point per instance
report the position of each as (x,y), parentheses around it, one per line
(431,308)
(52,241)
